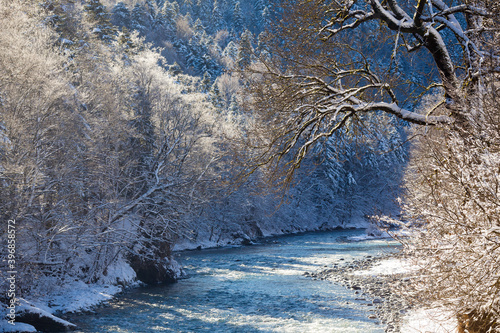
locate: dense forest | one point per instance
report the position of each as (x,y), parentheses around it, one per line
(126,130)
(131,129)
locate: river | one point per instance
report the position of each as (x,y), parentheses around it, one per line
(258,288)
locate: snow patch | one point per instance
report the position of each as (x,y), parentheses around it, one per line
(236,235)
(435,320)
(119,272)
(78,296)
(389,267)
(175,268)
(42,311)
(17,327)
(383,235)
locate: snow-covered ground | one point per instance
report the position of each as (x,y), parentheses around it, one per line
(433,320)
(77,296)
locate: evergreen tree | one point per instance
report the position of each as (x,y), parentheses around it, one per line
(175,69)
(170,10)
(259,6)
(56,17)
(185,6)
(216,21)
(199,29)
(140,18)
(121,15)
(100,19)
(245,50)
(234,107)
(258,17)
(265,16)
(206,82)
(204,10)
(215,96)
(238,19)
(261,41)
(168,15)
(159,22)
(189,18)
(193,58)
(231,51)
(150,9)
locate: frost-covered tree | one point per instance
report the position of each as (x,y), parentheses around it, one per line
(234,107)
(206,82)
(117,153)
(204,10)
(231,50)
(326,79)
(258,14)
(215,96)
(452,201)
(170,10)
(167,17)
(58,15)
(124,39)
(198,27)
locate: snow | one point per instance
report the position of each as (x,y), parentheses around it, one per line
(119,272)
(77,296)
(175,267)
(434,320)
(25,306)
(29,307)
(389,267)
(17,327)
(372,232)
(279,226)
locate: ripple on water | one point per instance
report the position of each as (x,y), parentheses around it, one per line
(250,289)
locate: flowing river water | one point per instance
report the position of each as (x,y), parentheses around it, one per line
(258,288)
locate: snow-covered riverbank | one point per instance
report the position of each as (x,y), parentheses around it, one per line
(375,279)
(77,296)
(259,288)
(40,311)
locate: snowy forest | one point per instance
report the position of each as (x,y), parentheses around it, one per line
(132,129)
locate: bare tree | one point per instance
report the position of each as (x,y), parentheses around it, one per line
(335,61)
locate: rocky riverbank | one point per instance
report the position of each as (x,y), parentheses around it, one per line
(376,291)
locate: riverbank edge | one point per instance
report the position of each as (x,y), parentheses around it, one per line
(376,291)
(39,309)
